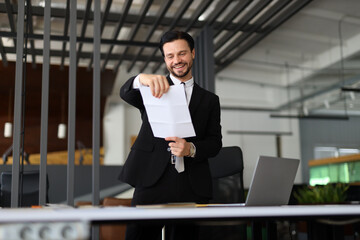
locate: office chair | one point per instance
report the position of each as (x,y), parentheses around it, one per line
(227,172)
(30,193)
(228,187)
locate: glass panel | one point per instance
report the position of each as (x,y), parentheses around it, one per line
(325,152)
(342,172)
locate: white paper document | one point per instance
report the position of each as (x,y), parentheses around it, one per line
(169,115)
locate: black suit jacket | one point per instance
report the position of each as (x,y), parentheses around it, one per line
(149,155)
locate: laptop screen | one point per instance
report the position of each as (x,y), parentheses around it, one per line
(272,181)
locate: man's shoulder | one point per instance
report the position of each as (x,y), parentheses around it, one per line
(206,92)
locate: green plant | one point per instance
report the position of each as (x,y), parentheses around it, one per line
(330,193)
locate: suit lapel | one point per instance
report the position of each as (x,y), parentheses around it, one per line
(195,100)
(169,80)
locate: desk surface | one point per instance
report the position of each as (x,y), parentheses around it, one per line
(130,213)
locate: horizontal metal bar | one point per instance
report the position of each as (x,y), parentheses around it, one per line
(318,116)
(113,17)
(58,53)
(349,89)
(259,133)
(256,109)
(107,192)
(82,39)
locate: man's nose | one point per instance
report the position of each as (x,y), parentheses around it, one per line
(176,59)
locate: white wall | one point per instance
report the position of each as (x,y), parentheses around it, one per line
(120,123)
(231,94)
(255,145)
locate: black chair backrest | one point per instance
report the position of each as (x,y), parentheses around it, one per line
(30,189)
(228,187)
(227,172)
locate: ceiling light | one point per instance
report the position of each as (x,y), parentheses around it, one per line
(305,110)
(8,129)
(352,96)
(62,131)
(201,18)
(326,104)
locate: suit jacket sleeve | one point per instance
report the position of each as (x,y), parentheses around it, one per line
(130,95)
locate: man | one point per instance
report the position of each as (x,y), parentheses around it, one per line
(149,166)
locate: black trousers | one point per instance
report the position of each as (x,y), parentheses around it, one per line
(172,187)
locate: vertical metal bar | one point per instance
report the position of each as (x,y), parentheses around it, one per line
(72,106)
(96,105)
(44,104)
(209,58)
(96,113)
(278,145)
(201,60)
(18,104)
(196,67)
(204,59)
(31,31)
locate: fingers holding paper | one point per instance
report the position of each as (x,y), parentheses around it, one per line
(179,146)
(158,83)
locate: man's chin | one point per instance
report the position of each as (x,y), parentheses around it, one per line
(180,74)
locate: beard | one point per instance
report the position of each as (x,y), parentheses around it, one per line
(181,74)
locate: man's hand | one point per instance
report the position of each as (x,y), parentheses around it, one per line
(158,84)
(179,146)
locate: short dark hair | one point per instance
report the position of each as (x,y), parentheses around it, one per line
(175,35)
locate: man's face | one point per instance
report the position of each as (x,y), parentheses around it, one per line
(179,59)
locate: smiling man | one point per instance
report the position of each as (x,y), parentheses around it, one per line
(152,164)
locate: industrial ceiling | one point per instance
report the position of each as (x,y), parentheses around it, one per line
(304,47)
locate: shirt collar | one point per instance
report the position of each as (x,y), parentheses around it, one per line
(188,83)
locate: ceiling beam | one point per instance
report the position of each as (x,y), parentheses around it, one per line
(83,29)
(273,25)
(59,53)
(66,30)
(243,22)
(161,13)
(121,21)
(195,16)
(219,9)
(103,23)
(3,54)
(83,40)
(200,10)
(113,17)
(9,11)
(231,16)
(185,5)
(134,30)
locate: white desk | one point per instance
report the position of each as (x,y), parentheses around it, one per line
(147,214)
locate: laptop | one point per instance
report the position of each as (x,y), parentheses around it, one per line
(272,181)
